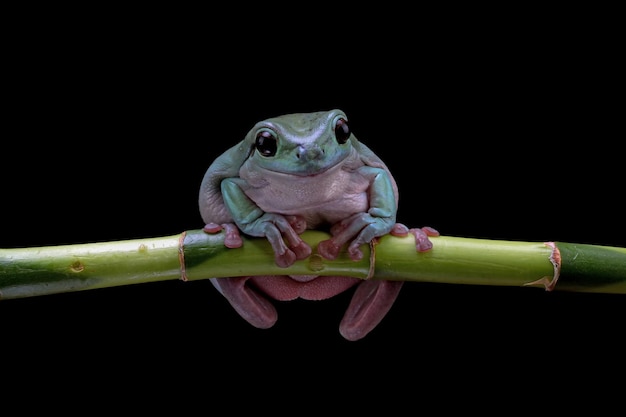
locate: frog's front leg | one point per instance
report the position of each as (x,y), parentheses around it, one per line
(362,227)
(277,228)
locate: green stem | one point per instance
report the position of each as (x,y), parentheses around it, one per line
(593,268)
(194,255)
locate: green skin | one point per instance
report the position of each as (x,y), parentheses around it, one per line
(296,172)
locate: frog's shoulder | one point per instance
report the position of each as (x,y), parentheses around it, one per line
(211,201)
(227,164)
(368,157)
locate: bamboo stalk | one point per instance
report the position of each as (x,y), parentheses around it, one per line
(195,255)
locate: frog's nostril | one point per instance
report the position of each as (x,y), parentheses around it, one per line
(310,153)
(300,151)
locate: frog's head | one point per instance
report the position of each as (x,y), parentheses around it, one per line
(300,143)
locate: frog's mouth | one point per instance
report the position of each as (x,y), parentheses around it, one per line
(249,296)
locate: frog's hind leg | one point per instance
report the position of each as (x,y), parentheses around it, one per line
(251,305)
(369,305)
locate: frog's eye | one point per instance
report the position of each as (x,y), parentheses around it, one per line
(342,130)
(266,143)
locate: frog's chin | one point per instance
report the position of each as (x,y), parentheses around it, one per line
(369,304)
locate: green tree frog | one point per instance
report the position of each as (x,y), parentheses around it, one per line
(304,171)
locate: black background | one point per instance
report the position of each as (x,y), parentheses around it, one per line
(494,135)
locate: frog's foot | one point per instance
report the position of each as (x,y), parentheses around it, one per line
(285,254)
(232,239)
(328,248)
(422,241)
(362,228)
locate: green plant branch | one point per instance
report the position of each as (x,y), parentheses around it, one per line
(195,255)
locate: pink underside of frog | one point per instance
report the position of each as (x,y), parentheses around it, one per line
(369,304)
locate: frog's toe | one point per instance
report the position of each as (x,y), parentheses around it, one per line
(328,249)
(339,227)
(355,252)
(302,250)
(399,229)
(422,241)
(232,239)
(212,228)
(285,259)
(430,231)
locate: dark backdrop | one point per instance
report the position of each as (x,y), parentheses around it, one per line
(485,140)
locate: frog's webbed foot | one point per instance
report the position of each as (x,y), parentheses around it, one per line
(362,228)
(422,241)
(232,239)
(328,248)
(366,228)
(286,254)
(278,229)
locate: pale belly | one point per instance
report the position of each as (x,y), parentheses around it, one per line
(321,199)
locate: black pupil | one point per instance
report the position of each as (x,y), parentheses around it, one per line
(342,131)
(266,144)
